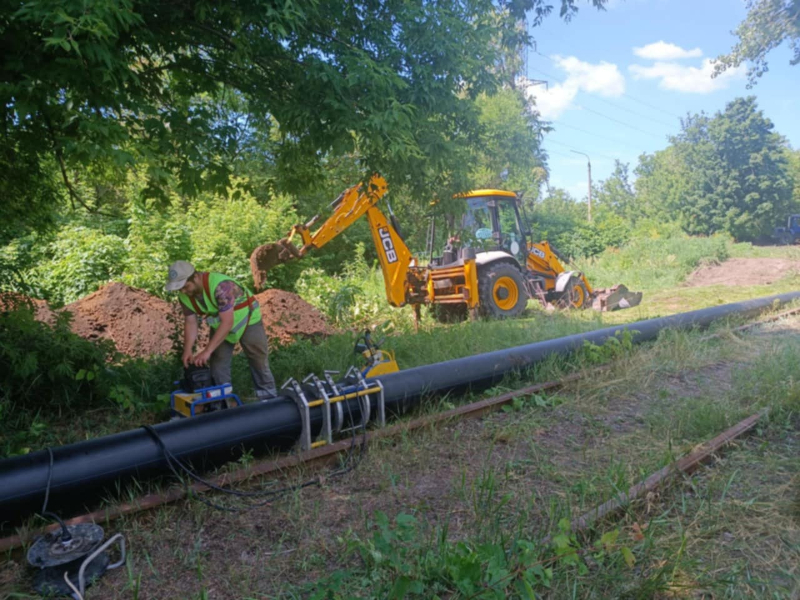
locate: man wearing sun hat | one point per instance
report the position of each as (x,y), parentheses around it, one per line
(234,316)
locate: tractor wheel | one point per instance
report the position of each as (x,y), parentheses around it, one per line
(450,313)
(502,291)
(575,295)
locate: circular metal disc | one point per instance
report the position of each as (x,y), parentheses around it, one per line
(51,551)
(50,582)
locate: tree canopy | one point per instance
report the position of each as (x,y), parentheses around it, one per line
(179,90)
(726,173)
(768,24)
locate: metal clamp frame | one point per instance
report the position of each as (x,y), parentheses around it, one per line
(330,425)
(327,428)
(364,401)
(337,391)
(291,387)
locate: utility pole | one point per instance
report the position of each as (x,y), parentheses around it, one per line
(589,163)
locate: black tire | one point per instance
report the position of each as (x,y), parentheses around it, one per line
(502,292)
(450,313)
(575,295)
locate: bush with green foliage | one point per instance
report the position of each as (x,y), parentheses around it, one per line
(224,231)
(355,298)
(50,373)
(80,260)
(50,366)
(156,239)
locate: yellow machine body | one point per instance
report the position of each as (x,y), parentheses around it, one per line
(380,362)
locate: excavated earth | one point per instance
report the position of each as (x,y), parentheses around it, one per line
(744,271)
(142,325)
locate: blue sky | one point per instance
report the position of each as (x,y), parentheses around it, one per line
(611,101)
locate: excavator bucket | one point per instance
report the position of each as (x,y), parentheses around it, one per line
(615,298)
(268,256)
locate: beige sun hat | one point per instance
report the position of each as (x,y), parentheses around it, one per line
(179,272)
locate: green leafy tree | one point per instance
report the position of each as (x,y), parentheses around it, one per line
(116,83)
(768,24)
(508,152)
(662,181)
(737,173)
(793,159)
(616,193)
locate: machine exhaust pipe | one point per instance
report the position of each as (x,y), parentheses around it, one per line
(81,471)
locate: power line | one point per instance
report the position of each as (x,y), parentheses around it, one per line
(605,116)
(572,146)
(623,123)
(597,135)
(635,99)
(612,104)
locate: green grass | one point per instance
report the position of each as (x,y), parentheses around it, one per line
(654,264)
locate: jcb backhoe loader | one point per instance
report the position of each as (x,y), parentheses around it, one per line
(489,267)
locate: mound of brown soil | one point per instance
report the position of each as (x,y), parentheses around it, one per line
(286,316)
(13,300)
(141,324)
(744,271)
(138,323)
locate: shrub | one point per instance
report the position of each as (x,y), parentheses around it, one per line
(226,230)
(80,260)
(49,367)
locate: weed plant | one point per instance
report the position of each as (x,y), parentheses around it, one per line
(51,379)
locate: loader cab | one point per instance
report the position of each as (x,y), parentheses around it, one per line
(492,222)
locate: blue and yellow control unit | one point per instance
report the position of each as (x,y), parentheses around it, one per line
(203,400)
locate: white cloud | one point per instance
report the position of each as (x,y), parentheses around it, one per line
(603,78)
(662,50)
(682,78)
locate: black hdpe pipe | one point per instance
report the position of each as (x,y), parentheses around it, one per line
(82,470)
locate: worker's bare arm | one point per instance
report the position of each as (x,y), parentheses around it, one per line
(189,338)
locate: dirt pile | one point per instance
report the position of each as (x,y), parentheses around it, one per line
(138,323)
(744,271)
(287,316)
(12,301)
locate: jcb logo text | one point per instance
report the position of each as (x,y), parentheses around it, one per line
(388,245)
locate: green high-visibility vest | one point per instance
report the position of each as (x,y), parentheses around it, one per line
(245,311)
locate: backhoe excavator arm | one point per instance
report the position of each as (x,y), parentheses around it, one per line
(351,205)
(348,208)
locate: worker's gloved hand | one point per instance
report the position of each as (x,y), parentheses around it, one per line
(187,357)
(201,358)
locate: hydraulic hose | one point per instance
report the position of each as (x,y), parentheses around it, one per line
(83,470)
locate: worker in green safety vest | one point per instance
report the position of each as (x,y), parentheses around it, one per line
(234,316)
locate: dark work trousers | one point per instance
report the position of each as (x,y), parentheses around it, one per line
(255,343)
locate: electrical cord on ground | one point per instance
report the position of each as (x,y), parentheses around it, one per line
(269,495)
(65,534)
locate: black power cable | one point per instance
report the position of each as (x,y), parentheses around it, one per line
(65,534)
(270,495)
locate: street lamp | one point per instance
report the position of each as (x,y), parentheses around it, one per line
(589,163)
